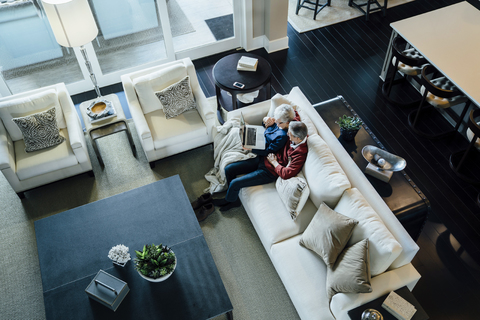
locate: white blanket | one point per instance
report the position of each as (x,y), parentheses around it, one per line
(227,148)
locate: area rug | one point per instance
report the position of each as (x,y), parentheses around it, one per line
(221,27)
(337,12)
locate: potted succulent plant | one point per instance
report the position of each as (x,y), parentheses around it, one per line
(119,255)
(349,126)
(155,263)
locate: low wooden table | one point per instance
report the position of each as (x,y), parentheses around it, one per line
(401,194)
(356,314)
(73,246)
(225,73)
(107,126)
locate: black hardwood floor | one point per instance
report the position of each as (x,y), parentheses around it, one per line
(346,59)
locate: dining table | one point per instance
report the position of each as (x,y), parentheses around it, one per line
(449,38)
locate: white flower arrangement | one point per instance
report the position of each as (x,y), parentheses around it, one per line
(119,254)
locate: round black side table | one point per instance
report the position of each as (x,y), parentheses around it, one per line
(225,74)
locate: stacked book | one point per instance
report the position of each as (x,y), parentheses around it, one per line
(399,307)
(247,64)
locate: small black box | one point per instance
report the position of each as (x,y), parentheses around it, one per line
(107,290)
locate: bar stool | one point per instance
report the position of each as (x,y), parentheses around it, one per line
(316,10)
(473,134)
(440,93)
(370,9)
(408,62)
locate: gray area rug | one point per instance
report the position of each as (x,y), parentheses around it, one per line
(249,277)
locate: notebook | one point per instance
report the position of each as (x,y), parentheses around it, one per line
(252,137)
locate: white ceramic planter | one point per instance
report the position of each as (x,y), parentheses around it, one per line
(161,278)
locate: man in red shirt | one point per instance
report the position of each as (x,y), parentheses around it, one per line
(286,163)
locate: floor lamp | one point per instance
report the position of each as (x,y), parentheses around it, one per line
(73,25)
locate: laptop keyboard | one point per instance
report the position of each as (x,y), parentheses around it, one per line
(251,136)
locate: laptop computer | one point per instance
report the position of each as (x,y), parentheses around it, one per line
(252,137)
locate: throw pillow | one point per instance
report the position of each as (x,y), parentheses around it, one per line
(276,101)
(351,271)
(177,98)
(328,234)
(294,193)
(40,130)
(383,246)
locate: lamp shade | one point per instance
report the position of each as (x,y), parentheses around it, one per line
(72,21)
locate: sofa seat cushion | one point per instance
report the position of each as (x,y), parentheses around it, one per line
(36,163)
(383,246)
(269,215)
(325,177)
(167,132)
(22,107)
(147,85)
(304,275)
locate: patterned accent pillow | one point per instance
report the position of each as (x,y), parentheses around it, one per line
(177,98)
(40,130)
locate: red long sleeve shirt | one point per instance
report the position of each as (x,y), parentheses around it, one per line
(297,156)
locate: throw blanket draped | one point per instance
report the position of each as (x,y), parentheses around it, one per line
(227,149)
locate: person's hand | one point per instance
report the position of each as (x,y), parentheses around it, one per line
(272,158)
(267,121)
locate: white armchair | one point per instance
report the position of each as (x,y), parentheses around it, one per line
(27,170)
(161,137)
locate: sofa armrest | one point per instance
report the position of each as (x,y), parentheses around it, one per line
(203,106)
(7,152)
(138,117)
(382,284)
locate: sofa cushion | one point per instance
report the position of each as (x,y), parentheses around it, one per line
(294,193)
(25,106)
(328,233)
(351,271)
(147,85)
(40,130)
(189,125)
(383,246)
(270,216)
(325,177)
(177,98)
(32,164)
(303,274)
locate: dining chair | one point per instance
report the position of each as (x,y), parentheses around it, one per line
(473,134)
(409,63)
(438,92)
(315,9)
(369,9)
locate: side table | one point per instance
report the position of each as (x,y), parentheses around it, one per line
(107,126)
(356,314)
(401,194)
(225,74)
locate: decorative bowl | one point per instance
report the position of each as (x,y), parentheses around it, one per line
(392,162)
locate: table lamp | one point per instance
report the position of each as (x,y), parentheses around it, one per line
(73,25)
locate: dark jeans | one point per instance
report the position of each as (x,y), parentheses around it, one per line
(255,173)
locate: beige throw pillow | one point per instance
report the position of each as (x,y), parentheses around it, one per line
(351,272)
(276,101)
(177,98)
(328,233)
(294,193)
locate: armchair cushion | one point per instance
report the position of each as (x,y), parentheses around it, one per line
(187,126)
(43,161)
(177,98)
(25,106)
(40,130)
(146,85)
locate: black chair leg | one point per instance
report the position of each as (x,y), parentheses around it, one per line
(459,122)
(457,167)
(21,195)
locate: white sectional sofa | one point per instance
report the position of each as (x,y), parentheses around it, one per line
(303,272)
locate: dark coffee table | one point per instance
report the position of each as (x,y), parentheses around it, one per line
(356,314)
(73,246)
(225,74)
(401,194)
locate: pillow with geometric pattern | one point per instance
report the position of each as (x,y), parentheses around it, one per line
(40,130)
(177,98)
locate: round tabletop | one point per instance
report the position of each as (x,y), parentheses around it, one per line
(225,73)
